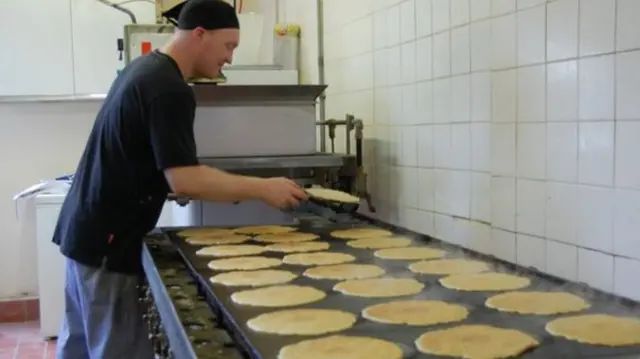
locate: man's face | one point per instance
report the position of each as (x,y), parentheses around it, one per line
(215,50)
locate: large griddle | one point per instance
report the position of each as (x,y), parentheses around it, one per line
(266,346)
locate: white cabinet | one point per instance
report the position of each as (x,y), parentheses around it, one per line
(62,47)
(95,31)
(36,45)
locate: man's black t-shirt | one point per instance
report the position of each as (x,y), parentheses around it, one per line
(144,127)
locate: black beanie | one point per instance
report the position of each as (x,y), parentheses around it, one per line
(207,14)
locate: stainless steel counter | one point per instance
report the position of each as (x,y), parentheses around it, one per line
(261,95)
(208,94)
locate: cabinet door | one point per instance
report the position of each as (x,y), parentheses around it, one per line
(96,29)
(36,48)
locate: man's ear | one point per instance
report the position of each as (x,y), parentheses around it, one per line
(199,32)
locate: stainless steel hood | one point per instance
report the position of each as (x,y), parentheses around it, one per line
(214,95)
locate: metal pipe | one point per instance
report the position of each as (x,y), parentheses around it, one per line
(322,103)
(332,124)
(122,9)
(348,127)
(359,127)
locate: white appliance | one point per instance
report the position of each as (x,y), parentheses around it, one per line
(36,243)
(50,261)
(50,264)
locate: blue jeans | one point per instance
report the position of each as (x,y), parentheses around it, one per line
(103,318)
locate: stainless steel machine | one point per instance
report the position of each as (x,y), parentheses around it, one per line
(269,131)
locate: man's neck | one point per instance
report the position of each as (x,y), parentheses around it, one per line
(176,51)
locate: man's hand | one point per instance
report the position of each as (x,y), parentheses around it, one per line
(281,193)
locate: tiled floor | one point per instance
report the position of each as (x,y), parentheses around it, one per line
(23,341)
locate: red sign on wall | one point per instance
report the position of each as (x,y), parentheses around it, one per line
(146,47)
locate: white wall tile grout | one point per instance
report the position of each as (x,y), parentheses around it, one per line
(515,125)
(615,66)
(591,56)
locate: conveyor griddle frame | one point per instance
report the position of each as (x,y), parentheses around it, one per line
(264,346)
(176,335)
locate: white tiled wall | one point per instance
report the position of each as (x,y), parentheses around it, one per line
(511,127)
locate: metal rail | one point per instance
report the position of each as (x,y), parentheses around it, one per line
(178,340)
(322,102)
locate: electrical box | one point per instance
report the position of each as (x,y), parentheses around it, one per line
(140,39)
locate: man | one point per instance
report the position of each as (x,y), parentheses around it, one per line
(141,147)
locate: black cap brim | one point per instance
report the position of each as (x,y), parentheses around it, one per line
(172,14)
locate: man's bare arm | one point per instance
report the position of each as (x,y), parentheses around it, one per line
(207,183)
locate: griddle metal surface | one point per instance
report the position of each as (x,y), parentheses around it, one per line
(265,346)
